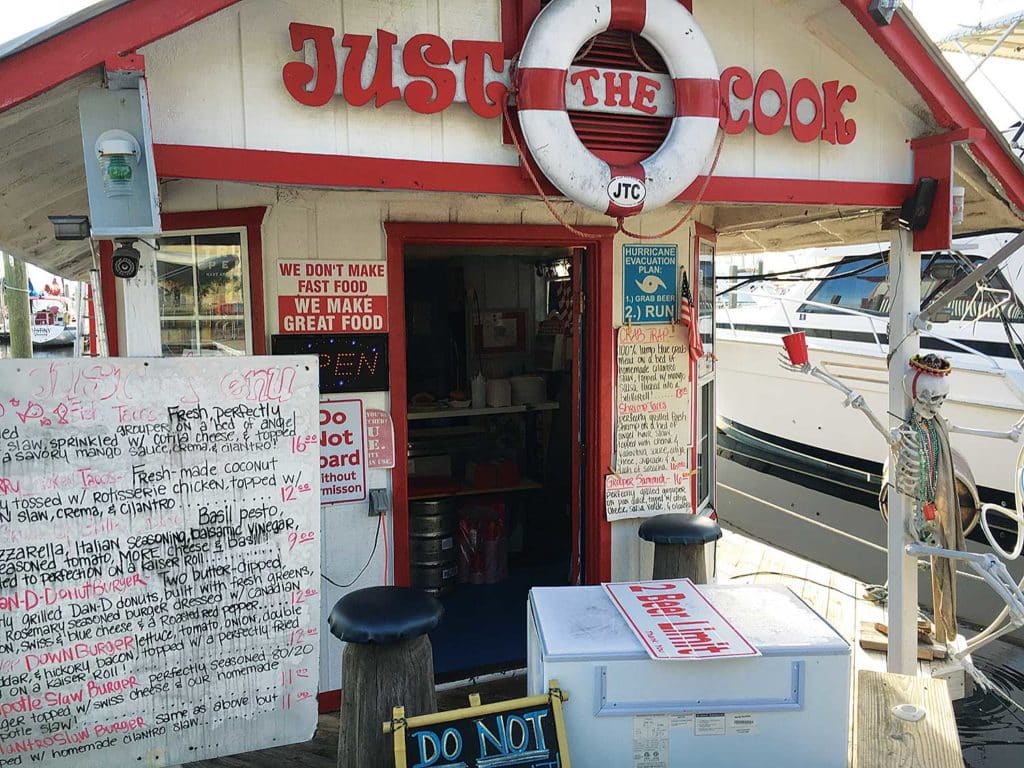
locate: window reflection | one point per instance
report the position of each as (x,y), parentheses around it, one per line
(202,295)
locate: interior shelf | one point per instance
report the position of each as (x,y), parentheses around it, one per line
(461,413)
(524,485)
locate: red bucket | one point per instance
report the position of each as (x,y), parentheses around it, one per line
(796,347)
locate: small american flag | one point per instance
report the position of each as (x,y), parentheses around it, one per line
(688,317)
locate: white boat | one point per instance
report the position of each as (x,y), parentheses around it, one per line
(802,472)
(50,318)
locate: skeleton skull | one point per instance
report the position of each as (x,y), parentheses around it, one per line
(927,384)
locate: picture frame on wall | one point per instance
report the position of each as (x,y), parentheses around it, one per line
(501,331)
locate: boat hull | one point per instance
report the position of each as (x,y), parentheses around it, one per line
(826,516)
(46,337)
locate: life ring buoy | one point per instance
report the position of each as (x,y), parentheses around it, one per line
(557,34)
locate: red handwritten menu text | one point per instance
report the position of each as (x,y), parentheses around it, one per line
(159,559)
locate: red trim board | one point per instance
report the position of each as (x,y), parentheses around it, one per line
(273,167)
(45,65)
(599,354)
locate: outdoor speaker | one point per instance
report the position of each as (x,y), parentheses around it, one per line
(917,208)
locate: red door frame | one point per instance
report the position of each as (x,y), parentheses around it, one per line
(598,352)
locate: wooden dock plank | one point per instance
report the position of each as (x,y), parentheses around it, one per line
(881,740)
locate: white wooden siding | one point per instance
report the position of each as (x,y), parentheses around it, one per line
(218,83)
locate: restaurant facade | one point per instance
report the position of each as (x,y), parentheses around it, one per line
(497,233)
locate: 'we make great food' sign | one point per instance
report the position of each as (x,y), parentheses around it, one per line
(332,296)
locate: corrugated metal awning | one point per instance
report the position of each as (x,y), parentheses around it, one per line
(1005,35)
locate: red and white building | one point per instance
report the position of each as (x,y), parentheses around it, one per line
(281,135)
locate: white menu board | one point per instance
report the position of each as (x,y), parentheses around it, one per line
(652,424)
(159,558)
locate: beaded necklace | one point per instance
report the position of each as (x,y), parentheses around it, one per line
(928,458)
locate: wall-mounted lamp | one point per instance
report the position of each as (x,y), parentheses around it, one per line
(118,153)
(70,227)
(882,11)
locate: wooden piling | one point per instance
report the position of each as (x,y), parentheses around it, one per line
(16,298)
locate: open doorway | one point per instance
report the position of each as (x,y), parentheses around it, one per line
(492,403)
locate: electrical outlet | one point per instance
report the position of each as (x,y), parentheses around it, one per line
(380,502)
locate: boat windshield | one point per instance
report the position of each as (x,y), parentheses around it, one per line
(862,283)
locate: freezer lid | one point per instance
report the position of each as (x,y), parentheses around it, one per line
(582,623)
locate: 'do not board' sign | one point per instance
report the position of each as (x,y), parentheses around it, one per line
(159,559)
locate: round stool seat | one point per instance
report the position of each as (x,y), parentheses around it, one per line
(384,615)
(680,528)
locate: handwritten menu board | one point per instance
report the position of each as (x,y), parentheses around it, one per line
(159,559)
(652,424)
(654,398)
(644,494)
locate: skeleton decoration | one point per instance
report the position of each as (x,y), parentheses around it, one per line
(924,467)
(924,470)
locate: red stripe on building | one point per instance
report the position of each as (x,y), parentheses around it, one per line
(696,97)
(628,15)
(541,88)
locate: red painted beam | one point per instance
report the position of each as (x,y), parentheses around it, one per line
(35,70)
(273,167)
(898,41)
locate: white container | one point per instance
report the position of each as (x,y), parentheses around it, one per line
(788,707)
(499,393)
(478,389)
(527,390)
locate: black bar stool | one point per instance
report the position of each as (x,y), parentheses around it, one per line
(679,540)
(388,662)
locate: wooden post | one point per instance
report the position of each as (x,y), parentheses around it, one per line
(905,288)
(140,302)
(16,297)
(377,678)
(680,561)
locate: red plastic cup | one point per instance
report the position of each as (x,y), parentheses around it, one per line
(796,347)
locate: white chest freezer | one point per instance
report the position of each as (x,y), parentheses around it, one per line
(788,707)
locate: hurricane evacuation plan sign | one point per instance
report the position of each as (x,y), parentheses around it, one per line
(673,620)
(159,559)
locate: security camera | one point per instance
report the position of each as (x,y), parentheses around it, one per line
(126,259)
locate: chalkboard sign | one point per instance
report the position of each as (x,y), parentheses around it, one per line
(526,733)
(353,362)
(159,559)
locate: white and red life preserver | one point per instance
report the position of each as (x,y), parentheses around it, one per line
(558,33)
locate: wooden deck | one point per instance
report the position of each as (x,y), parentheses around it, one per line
(838,598)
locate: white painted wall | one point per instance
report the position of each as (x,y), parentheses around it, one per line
(218,83)
(330,226)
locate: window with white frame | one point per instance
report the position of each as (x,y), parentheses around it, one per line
(706,375)
(203,288)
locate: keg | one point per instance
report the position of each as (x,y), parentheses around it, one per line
(434,518)
(432,526)
(438,579)
(433,549)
